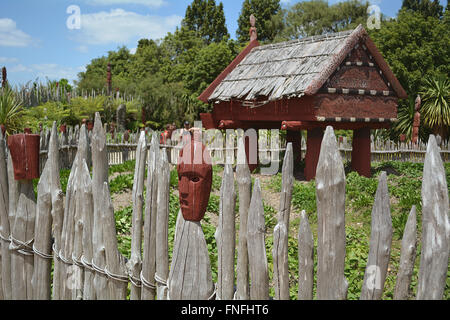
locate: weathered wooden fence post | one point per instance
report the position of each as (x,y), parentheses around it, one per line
(281,231)
(162,225)
(68,274)
(226,237)
(99,177)
(305,259)
(380,244)
(135,262)
(435,226)
(83,248)
(190,275)
(407,257)
(330,193)
(115,267)
(244,181)
(22,236)
(257,257)
(24,150)
(49,199)
(5,230)
(151,206)
(81,273)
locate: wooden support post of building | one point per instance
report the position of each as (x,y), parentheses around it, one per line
(361,152)
(295,137)
(251,150)
(313,143)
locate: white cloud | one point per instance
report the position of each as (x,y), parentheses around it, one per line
(54,71)
(120,26)
(10,36)
(20,68)
(83,49)
(148,3)
(51,71)
(8,60)
(133,50)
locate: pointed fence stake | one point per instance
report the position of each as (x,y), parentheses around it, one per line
(305,259)
(162,225)
(5,228)
(257,257)
(407,257)
(281,231)
(135,262)
(151,205)
(244,182)
(226,237)
(330,193)
(435,227)
(49,200)
(380,244)
(99,177)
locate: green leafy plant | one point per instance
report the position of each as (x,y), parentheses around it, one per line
(10,110)
(436,104)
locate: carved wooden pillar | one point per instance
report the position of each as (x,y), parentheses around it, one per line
(361,152)
(313,143)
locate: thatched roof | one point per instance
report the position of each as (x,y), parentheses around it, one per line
(291,69)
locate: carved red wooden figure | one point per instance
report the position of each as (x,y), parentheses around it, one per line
(24,150)
(416,123)
(194,178)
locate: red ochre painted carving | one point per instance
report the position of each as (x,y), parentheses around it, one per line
(194,179)
(356,106)
(24,150)
(358,78)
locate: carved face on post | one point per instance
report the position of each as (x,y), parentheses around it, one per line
(194,180)
(418,103)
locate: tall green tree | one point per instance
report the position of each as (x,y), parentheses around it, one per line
(316,17)
(207,20)
(415,47)
(264,11)
(428,8)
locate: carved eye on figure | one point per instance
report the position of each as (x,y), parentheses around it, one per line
(195,179)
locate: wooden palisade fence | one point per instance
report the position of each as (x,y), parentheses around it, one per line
(77,234)
(121,150)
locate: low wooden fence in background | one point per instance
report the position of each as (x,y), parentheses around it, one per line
(78,235)
(120,150)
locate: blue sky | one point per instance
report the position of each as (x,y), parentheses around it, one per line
(35,41)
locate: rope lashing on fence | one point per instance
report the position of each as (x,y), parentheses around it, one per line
(77,261)
(86,264)
(147,283)
(161,281)
(42,254)
(117,277)
(21,247)
(135,281)
(2,237)
(214,294)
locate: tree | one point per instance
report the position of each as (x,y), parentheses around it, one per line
(427,8)
(207,20)
(209,62)
(317,17)
(94,78)
(263,10)
(147,60)
(414,47)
